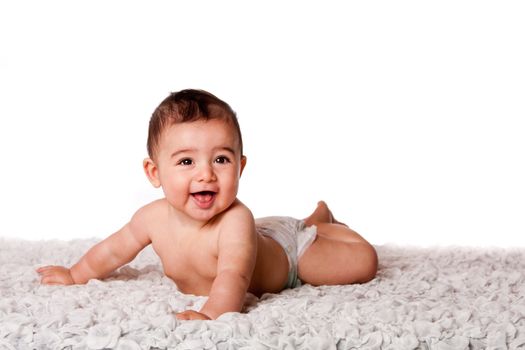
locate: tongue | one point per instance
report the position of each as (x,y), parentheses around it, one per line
(203,197)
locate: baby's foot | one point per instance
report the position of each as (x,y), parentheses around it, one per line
(332,219)
(321,214)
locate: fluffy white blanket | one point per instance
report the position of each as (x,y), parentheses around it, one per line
(443,298)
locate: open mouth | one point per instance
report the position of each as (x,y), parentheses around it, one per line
(204,199)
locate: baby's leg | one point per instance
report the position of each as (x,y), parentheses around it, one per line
(338,255)
(331,260)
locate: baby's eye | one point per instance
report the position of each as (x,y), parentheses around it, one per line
(185,161)
(222,160)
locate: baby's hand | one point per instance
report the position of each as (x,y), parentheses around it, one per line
(55,275)
(191,315)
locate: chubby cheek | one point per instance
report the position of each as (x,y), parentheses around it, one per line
(175,189)
(230,185)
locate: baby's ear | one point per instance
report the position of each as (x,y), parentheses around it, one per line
(243,163)
(152,172)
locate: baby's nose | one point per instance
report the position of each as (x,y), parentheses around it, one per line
(206,173)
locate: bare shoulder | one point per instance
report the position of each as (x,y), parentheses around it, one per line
(143,223)
(238,216)
(236,225)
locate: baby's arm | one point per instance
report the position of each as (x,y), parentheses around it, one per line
(103,258)
(237,248)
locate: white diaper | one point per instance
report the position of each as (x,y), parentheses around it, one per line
(293,236)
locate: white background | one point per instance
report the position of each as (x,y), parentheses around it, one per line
(405,116)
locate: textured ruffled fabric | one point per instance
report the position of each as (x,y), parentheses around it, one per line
(439,298)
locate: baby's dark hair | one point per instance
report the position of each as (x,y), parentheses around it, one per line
(188,106)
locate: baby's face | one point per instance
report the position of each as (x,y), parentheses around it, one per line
(199,166)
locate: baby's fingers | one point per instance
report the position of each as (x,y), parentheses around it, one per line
(48,269)
(43,269)
(191,315)
(54,275)
(54,280)
(49,281)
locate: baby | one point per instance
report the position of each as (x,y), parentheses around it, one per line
(207,240)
